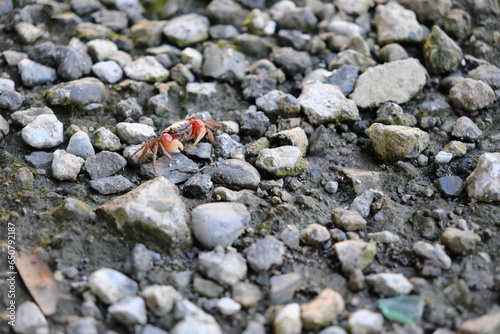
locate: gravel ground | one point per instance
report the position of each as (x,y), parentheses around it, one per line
(353,185)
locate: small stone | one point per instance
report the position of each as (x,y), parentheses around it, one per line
(436,254)
(395,24)
(486,324)
(39,159)
(411,141)
(101,49)
(333,330)
(128,108)
(331,187)
(466,129)
(129,311)
(441,54)
(198,186)
(483,183)
(197,323)
(221,31)
(443,157)
(113,19)
(265,253)
(146,68)
(28,33)
(389,284)
(104,164)
(456,148)
(228,306)
(235,174)
(105,140)
(82,325)
(150,329)
(72,209)
(187,29)
(458,241)
(291,237)
(108,71)
(159,298)
(287,320)
(6,84)
(192,58)
(450,185)
(336,107)
(219,223)
(11,100)
(247,294)
(488,74)
(14,57)
(323,309)
(392,52)
(314,234)
(33,73)
(402,309)
(29,319)
(403,80)
(343,77)
(139,262)
(392,114)
(365,322)
(295,137)
(134,133)
(347,220)
(353,58)
(355,254)
(66,166)
(80,145)
(89,31)
(77,92)
(291,61)
(223,63)
(254,123)
(472,95)
(228,268)
(111,184)
(281,161)
(111,286)
(283,287)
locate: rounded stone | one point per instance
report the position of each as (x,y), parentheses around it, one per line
(111,286)
(235,174)
(458,241)
(46,131)
(281,161)
(472,95)
(484,182)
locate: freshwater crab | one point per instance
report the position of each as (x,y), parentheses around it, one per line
(171,139)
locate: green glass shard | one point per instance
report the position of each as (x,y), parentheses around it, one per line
(402,309)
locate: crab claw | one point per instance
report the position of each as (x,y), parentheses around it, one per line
(200,133)
(175,146)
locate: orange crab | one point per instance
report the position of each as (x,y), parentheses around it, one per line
(171,138)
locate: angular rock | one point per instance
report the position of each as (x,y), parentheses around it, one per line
(108,71)
(229,148)
(483,183)
(281,161)
(384,237)
(392,52)
(28,33)
(402,80)
(291,61)
(351,58)
(314,234)
(33,73)
(152,212)
(104,164)
(366,321)
(77,92)
(396,24)
(247,294)
(66,166)
(488,74)
(134,133)
(343,77)
(106,140)
(111,286)
(29,319)
(82,325)
(265,253)
(472,95)
(283,287)
(80,145)
(146,68)
(159,298)
(219,223)
(287,320)
(187,29)
(486,324)
(235,174)
(129,311)
(226,269)
(223,63)
(6,84)
(295,137)
(197,323)
(395,142)
(459,241)
(111,184)
(101,49)
(347,220)
(436,254)
(389,284)
(392,114)
(11,100)
(402,309)
(46,131)
(441,54)
(322,310)
(355,254)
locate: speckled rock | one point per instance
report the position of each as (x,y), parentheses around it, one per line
(225,268)
(46,131)
(483,183)
(441,54)
(77,92)
(11,100)
(235,174)
(395,142)
(472,95)
(265,253)
(459,241)
(281,161)
(396,24)
(187,29)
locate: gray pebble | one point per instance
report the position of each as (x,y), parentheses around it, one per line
(85,325)
(226,268)
(134,133)
(207,287)
(27,32)
(11,100)
(488,74)
(108,71)
(366,321)
(80,92)
(150,329)
(80,145)
(344,78)
(254,123)
(111,286)
(265,253)
(363,202)
(129,311)
(176,171)
(483,183)
(29,319)
(281,161)
(4,127)
(472,95)
(46,131)
(198,186)
(229,148)
(128,108)
(291,61)
(106,140)
(223,63)
(234,174)
(389,284)
(397,24)
(14,57)
(72,209)
(101,49)
(466,129)
(197,323)
(443,157)
(104,164)
(220,31)
(139,262)
(291,237)
(392,52)
(436,254)
(355,255)
(247,294)
(187,29)
(111,184)
(66,166)
(6,84)
(146,68)
(39,159)
(24,117)
(33,73)
(199,151)
(283,287)
(159,298)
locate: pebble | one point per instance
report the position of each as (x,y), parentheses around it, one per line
(291,61)
(355,254)
(192,58)
(234,174)
(39,159)
(104,164)
(223,63)
(443,157)
(281,161)
(105,140)
(489,74)
(128,108)
(82,325)
(29,319)
(347,220)
(395,24)
(365,322)
(228,306)
(14,57)
(265,253)
(111,286)
(108,71)
(80,145)
(486,324)
(11,100)
(343,77)
(187,29)
(246,294)
(389,284)
(287,320)
(294,137)
(229,148)
(197,323)
(111,184)
(225,268)
(450,185)
(134,133)
(458,241)
(472,95)
(456,148)
(176,171)
(198,186)
(283,287)
(325,103)
(465,129)
(6,84)
(89,31)
(77,92)
(403,80)
(129,311)
(254,123)
(353,58)
(392,52)
(162,220)
(314,234)
(150,329)
(219,223)
(291,237)
(207,287)
(392,114)
(362,203)
(483,183)
(4,127)
(434,253)
(146,68)
(323,309)
(101,49)
(331,187)
(28,33)
(333,330)
(441,54)
(66,166)
(159,298)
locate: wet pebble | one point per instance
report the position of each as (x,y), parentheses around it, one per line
(80,145)
(472,95)
(146,68)
(108,71)
(483,183)
(105,140)
(66,166)
(225,268)
(33,73)
(246,294)
(281,161)
(465,129)
(314,234)
(347,220)
(283,287)
(389,284)
(111,286)
(219,223)
(265,253)
(450,185)
(11,100)
(287,320)
(104,164)
(235,174)
(77,92)
(111,184)
(458,241)
(29,319)
(129,311)
(365,322)
(159,298)
(134,133)
(322,310)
